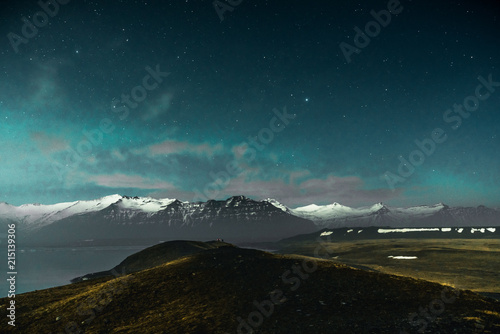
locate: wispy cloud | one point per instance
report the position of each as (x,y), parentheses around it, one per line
(43,89)
(119,180)
(117,154)
(158,107)
(348,190)
(48,143)
(295,188)
(176,147)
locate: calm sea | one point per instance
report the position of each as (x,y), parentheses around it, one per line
(41,268)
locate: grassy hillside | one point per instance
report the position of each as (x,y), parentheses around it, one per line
(234,290)
(154,256)
(463,263)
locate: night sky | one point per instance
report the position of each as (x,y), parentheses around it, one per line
(273,99)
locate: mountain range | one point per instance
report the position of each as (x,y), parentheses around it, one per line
(237,218)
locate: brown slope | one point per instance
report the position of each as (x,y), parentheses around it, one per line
(208,292)
(154,256)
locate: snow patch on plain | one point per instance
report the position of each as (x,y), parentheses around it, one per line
(405,230)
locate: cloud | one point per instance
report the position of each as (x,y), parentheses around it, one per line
(43,87)
(346,190)
(296,175)
(47,143)
(158,108)
(129,181)
(293,189)
(116,154)
(175,147)
(239,150)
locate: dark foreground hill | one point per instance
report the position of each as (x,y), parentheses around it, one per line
(233,290)
(154,256)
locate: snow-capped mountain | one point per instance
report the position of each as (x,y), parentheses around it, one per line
(35,216)
(237,218)
(277,204)
(335,211)
(337,216)
(130,218)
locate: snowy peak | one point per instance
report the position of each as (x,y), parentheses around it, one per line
(336,214)
(145,204)
(38,215)
(173,211)
(380,208)
(5,207)
(422,210)
(237,200)
(34,216)
(326,212)
(313,208)
(277,204)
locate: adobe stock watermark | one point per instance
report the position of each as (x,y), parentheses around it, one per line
(248,151)
(292,277)
(435,308)
(94,137)
(225,6)
(372,29)
(427,146)
(29,29)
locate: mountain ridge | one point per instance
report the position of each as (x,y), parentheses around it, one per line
(317,212)
(237,218)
